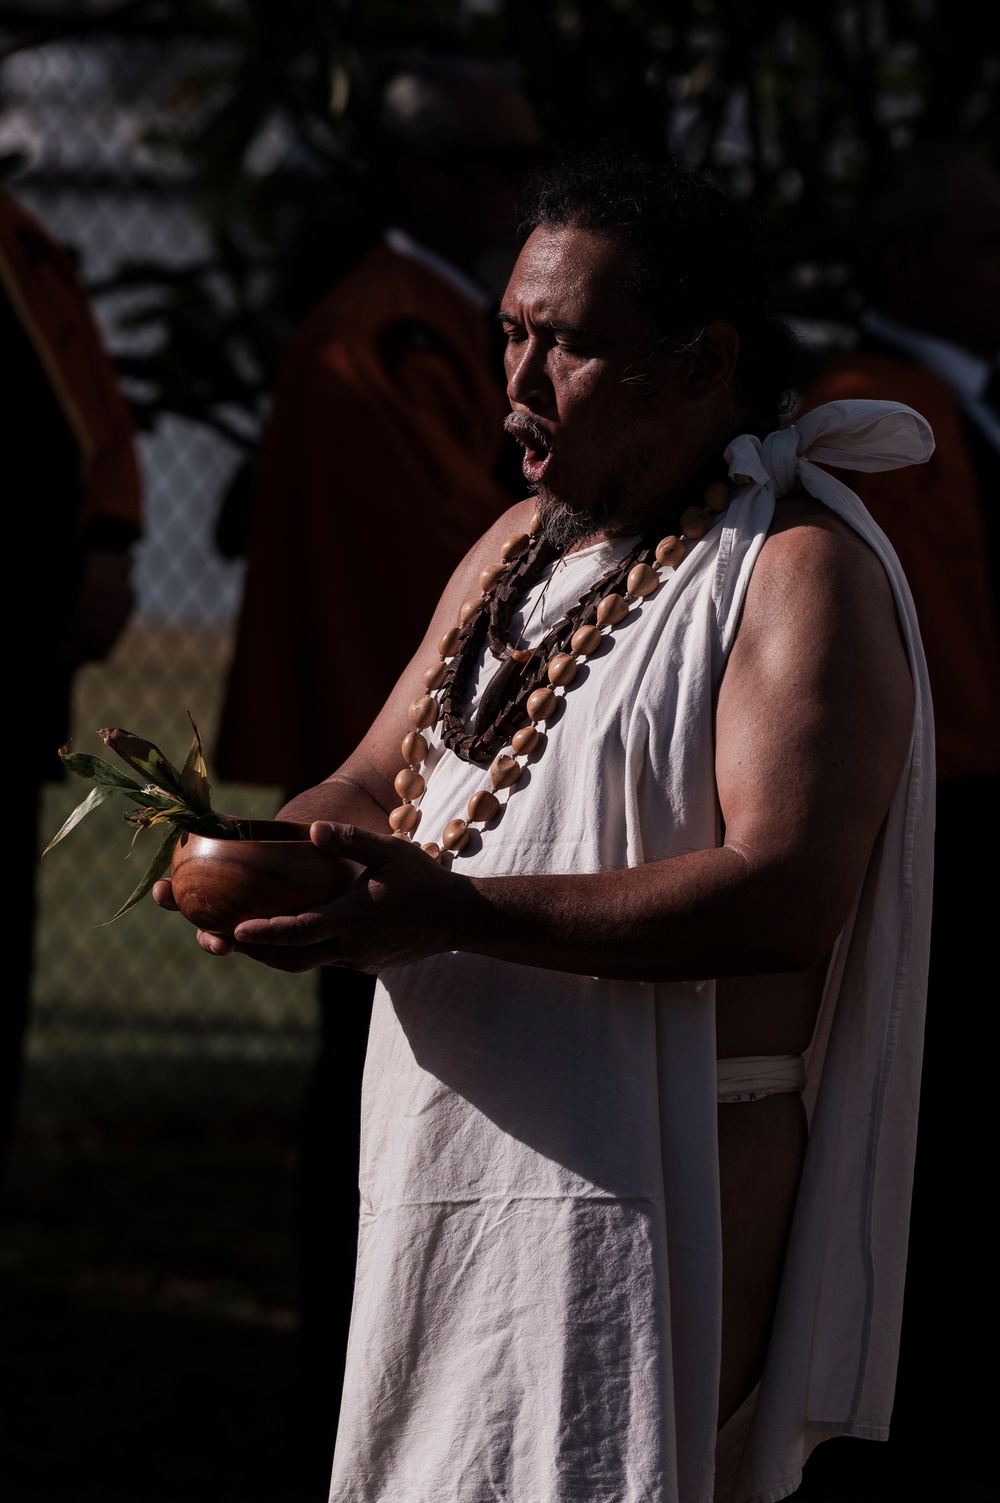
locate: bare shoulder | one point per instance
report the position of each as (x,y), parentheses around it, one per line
(515,519)
(815,570)
(486,551)
(819,635)
(808,534)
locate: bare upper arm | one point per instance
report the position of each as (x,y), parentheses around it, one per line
(813,719)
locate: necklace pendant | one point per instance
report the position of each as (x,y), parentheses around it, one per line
(496,694)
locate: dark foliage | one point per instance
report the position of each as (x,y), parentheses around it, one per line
(796,108)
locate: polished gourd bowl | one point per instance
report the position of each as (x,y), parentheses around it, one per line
(273,869)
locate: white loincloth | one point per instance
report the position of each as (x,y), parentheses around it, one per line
(754,1077)
(537,1310)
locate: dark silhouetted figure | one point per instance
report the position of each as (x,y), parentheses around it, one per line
(73,510)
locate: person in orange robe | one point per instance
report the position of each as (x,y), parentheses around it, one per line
(931,338)
(381,466)
(75,509)
(378,471)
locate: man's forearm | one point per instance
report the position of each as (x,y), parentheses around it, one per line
(343,798)
(710,913)
(706,914)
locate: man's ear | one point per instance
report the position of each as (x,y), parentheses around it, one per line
(708,365)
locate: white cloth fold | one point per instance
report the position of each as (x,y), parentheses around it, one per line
(753,1075)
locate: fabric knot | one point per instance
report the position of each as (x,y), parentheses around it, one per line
(743,458)
(850,435)
(780,457)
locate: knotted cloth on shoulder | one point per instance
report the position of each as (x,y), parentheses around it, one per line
(851,435)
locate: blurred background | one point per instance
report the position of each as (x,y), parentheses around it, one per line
(208,164)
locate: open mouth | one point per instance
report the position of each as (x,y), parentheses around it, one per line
(535,442)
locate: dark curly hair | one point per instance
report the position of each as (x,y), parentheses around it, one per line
(697,256)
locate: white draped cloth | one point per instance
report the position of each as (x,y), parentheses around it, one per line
(538,1298)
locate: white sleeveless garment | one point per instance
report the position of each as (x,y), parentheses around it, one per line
(537,1307)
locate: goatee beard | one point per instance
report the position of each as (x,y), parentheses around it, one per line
(565,527)
(610,513)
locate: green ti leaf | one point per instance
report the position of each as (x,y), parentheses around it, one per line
(194,775)
(156,869)
(145,758)
(86,766)
(98,795)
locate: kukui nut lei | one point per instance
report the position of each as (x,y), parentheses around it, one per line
(525,692)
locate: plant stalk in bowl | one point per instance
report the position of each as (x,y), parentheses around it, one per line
(224,868)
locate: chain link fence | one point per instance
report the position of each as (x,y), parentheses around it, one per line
(133,1016)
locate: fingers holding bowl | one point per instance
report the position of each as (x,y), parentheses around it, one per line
(163,895)
(215,944)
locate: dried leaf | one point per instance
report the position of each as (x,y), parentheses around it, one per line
(158,806)
(145,758)
(194,775)
(162,800)
(217,826)
(98,795)
(156,869)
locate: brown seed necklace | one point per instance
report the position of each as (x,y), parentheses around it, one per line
(522,695)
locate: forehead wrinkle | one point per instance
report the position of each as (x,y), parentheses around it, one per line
(577,305)
(551,325)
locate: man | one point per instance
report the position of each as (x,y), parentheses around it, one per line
(931,338)
(580,1165)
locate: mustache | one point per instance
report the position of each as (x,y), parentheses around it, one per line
(526,431)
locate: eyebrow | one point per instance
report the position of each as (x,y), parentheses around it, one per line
(553,325)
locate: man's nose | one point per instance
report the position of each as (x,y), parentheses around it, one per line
(528,383)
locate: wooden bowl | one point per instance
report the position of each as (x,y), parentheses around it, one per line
(274,869)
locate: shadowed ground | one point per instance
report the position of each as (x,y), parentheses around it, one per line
(147,1310)
(146,1301)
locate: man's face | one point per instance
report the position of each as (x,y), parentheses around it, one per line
(594,423)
